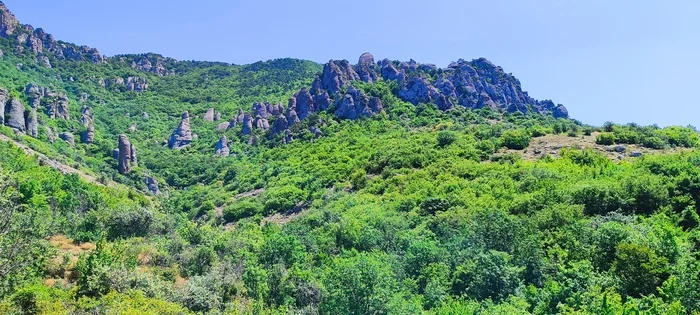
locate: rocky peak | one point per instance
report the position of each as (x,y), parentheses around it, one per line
(8,21)
(366,68)
(337,74)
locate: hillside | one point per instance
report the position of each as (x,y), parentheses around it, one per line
(141,184)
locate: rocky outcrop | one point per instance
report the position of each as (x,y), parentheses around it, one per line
(88,135)
(151,185)
(366,68)
(152,63)
(336,74)
(28,40)
(261,123)
(124,158)
(132,83)
(222,148)
(182,135)
(223,126)
(304,103)
(247,124)
(4,97)
(8,21)
(356,104)
(280,124)
(67,137)
(240,116)
(136,84)
(561,112)
(209,115)
(132,155)
(32,122)
(14,115)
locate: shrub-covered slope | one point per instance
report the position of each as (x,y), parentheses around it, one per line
(374,188)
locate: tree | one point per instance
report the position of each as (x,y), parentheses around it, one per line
(360,283)
(640,269)
(489,275)
(16,239)
(515,139)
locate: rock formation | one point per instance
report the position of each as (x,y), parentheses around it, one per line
(247,124)
(67,137)
(14,115)
(152,185)
(222,148)
(223,126)
(4,97)
(182,136)
(209,115)
(32,122)
(88,135)
(124,159)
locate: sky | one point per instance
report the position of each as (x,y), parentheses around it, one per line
(606,60)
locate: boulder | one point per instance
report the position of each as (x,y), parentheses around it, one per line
(182,135)
(222,148)
(280,124)
(389,72)
(67,137)
(261,123)
(14,115)
(209,115)
(151,185)
(124,159)
(560,112)
(223,126)
(316,131)
(260,110)
(217,116)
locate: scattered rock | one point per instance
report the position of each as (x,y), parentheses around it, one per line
(636,154)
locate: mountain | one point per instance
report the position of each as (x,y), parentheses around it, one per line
(141,184)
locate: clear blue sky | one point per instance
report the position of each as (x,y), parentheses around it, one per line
(620,60)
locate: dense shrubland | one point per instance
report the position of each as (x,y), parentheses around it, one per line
(414,210)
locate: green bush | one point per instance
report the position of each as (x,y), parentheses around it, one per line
(606,138)
(241,209)
(515,139)
(445,138)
